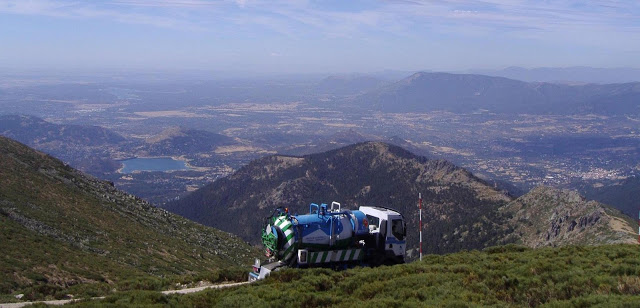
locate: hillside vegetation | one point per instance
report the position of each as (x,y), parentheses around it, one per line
(62,232)
(457,204)
(460,211)
(508,276)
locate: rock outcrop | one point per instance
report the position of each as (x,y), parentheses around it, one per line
(554,217)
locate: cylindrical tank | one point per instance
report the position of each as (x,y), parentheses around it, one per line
(322,230)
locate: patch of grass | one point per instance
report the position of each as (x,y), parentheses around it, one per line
(508,276)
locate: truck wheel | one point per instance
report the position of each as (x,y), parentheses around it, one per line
(378,260)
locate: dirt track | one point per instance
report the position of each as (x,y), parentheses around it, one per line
(182,291)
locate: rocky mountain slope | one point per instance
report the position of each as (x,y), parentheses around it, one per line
(60,227)
(467,93)
(460,211)
(554,217)
(459,208)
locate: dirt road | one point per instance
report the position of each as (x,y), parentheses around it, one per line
(168,292)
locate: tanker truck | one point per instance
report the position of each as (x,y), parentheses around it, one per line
(332,237)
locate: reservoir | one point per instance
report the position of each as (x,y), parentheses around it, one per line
(152,164)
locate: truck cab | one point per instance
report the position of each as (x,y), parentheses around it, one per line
(388,233)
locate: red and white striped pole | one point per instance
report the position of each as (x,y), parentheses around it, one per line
(420,206)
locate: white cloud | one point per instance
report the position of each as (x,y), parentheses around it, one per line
(299,19)
(241,3)
(79,10)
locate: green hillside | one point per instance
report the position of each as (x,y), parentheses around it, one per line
(64,232)
(508,276)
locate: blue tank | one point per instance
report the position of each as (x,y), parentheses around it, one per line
(321,229)
(331,237)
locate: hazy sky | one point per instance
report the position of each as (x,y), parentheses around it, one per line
(318,36)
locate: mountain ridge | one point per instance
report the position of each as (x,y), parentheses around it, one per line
(574,74)
(84,146)
(36,131)
(424,92)
(370,173)
(460,211)
(555,217)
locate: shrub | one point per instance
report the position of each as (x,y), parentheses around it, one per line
(507,276)
(145,283)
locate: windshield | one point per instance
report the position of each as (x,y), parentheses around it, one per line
(373,221)
(397,228)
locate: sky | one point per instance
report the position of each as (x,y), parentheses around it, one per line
(337,36)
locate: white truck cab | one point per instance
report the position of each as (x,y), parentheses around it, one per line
(389,230)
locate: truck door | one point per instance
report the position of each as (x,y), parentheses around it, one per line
(397,229)
(382,238)
(397,241)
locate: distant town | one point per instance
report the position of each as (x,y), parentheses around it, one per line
(514,151)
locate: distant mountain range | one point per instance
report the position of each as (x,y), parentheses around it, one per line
(346,138)
(99,151)
(65,139)
(91,148)
(60,227)
(40,133)
(85,147)
(569,75)
(466,93)
(461,211)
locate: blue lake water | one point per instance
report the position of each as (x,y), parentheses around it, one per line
(152,164)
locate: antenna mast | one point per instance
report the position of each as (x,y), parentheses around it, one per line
(420,207)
